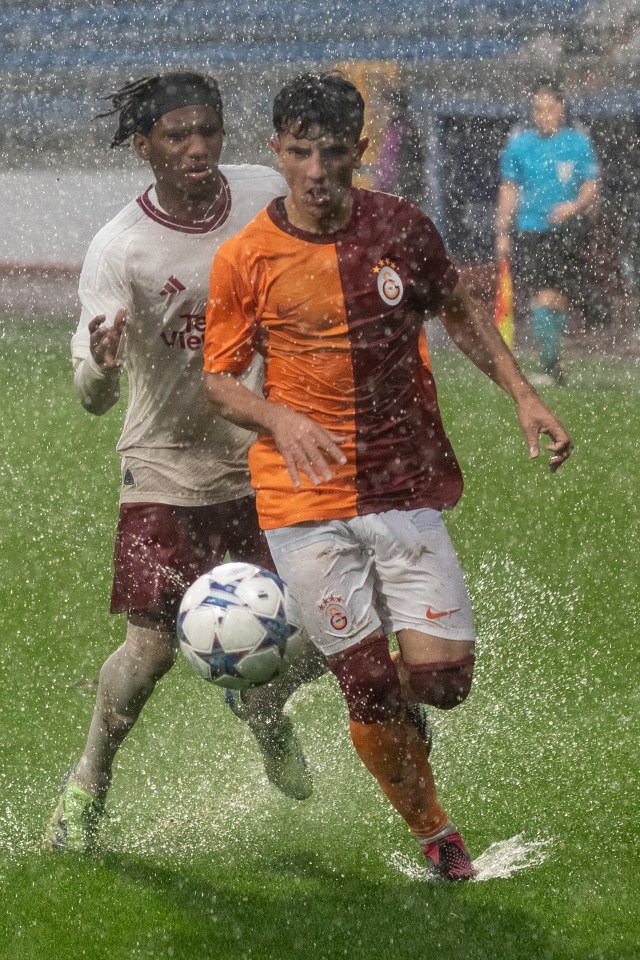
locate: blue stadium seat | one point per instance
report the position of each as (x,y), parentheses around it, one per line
(65,35)
(69,41)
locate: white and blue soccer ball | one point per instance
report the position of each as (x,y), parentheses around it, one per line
(238,626)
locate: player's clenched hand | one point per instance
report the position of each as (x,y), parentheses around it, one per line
(537,419)
(561,212)
(105,342)
(305,445)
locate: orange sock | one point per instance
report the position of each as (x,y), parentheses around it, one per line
(393,752)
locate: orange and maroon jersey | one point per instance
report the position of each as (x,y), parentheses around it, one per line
(339,319)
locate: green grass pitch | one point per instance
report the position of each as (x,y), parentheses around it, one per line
(201,857)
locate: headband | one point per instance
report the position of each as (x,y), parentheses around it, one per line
(172,96)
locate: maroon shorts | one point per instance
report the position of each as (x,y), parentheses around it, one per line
(161,549)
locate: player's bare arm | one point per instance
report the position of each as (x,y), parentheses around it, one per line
(508,195)
(477,337)
(304,445)
(105,342)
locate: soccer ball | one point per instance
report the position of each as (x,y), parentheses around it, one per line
(238,626)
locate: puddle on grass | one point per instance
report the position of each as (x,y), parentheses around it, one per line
(500,861)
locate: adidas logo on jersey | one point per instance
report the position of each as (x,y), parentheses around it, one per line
(172,285)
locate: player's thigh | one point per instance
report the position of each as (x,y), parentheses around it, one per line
(332,579)
(230,528)
(417,647)
(149,558)
(160,550)
(421,587)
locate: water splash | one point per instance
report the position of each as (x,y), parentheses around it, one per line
(506,857)
(500,861)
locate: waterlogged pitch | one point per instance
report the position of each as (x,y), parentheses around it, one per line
(201,857)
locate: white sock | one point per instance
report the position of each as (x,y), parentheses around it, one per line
(127,680)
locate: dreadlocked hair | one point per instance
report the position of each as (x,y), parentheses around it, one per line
(142,102)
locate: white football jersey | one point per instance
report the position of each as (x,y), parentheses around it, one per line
(173,449)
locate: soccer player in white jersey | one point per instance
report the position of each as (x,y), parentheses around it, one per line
(185,495)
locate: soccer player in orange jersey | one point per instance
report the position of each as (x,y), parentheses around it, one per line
(352,466)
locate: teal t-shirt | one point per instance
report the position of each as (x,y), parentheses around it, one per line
(548,170)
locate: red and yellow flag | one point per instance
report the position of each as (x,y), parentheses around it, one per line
(504,304)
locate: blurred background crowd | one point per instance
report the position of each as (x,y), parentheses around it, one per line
(456,73)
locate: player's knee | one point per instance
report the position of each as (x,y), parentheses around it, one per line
(161,658)
(369,680)
(151,647)
(442,685)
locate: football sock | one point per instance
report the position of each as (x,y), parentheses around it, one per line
(548,326)
(127,680)
(393,752)
(261,703)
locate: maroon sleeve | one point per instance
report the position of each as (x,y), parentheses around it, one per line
(435,276)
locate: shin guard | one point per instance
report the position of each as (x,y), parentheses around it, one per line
(394,754)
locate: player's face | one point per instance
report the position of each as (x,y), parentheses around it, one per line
(548,113)
(319,173)
(184,149)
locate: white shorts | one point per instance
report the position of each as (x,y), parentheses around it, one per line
(396,571)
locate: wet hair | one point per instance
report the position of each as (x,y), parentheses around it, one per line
(327,102)
(143,102)
(548,85)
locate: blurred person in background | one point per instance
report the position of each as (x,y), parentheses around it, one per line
(549,183)
(400,167)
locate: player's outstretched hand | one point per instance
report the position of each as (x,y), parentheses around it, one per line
(537,419)
(106,342)
(305,446)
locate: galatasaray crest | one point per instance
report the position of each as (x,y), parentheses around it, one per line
(390,285)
